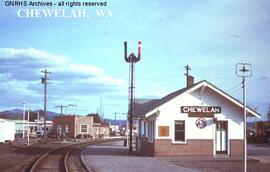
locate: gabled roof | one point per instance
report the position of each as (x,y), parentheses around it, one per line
(143,106)
(148,106)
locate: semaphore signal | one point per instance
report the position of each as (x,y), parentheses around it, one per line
(131,59)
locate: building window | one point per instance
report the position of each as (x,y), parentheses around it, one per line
(59,128)
(66,128)
(142,128)
(146,128)
(179,131)
(83,128)
(151,131)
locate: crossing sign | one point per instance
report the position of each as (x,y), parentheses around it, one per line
(243,69)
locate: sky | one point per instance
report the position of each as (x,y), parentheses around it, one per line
(86,55)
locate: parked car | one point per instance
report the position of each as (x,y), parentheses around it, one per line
(18,135)
(39,134)
(251,136)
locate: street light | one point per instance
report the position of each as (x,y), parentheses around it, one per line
(244,70)
(73,105)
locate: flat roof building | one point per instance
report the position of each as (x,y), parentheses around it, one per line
(73,126)
(199,119)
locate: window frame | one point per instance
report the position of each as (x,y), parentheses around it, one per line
(184,141)
(151,131)
(81,128)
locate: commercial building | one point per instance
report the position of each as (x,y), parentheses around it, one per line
(101,130)
(199,119)
(36,128)
(73,126)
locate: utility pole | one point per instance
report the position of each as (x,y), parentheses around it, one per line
(28,128)
(62,121)
(23,119)
(126,128)
(115,121)
(44,81)
(244,70)
(131,59)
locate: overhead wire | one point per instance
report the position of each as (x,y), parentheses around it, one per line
(235,88)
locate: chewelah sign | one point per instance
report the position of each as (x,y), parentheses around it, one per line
(201,111)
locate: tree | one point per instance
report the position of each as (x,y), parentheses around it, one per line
(96,117)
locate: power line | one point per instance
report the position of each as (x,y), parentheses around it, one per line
(235,87)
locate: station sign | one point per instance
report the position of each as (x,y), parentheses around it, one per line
(201,111)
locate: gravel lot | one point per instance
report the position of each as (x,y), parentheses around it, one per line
(18,157)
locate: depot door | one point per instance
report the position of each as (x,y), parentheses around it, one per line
(221,137)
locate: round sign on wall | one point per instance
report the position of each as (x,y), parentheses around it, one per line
(201,123)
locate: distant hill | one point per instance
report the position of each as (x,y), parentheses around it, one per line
(11,114)
(50,114)
(117,122)
(17,114)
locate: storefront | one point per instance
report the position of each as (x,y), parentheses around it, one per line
(197,120)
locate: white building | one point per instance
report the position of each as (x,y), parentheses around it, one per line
(7,130)
(200,119)
(34,127)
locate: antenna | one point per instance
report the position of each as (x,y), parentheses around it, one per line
(187,69)
(190,79)
(131,59)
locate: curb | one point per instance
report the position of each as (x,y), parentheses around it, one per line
(89,169)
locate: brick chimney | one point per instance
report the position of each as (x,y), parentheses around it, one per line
(190,80)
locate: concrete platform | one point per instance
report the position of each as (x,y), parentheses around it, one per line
(113,157)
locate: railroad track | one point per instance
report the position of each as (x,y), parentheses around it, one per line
(63,159)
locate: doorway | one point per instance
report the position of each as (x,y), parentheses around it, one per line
(221,137)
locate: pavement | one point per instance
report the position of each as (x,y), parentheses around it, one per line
(259,152)
(113,157)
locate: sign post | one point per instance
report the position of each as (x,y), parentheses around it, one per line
(244,70)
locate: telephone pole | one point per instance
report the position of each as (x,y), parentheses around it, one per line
(62,121)
(23,119)
(44,81)
(244,70)
(115,113)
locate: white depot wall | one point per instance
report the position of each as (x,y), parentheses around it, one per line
(170,111)
(229,111)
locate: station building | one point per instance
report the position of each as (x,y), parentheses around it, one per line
(199,119)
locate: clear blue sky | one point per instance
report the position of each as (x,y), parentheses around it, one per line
(86,59)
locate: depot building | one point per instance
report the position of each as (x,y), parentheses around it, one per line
(199,119)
